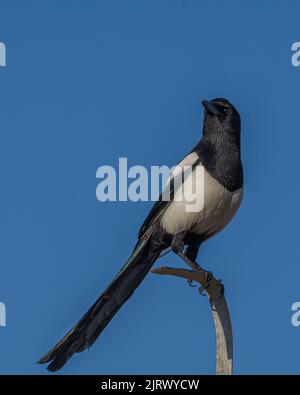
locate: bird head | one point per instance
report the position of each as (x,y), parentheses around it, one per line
(220,114)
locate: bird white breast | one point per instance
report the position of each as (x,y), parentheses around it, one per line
(217,208)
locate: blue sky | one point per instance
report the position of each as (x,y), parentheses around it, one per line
(88,82)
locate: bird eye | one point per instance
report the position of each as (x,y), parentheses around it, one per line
(224,110)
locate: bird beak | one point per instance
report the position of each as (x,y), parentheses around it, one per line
(210,108)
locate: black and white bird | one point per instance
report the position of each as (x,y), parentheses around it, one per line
(169,226)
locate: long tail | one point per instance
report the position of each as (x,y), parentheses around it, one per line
(89,327)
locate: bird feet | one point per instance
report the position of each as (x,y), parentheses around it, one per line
(217,283)
(219,287)
(208,276)
(177,246)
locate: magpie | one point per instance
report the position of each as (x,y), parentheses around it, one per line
(169,227)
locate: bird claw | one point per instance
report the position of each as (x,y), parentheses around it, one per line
(222,289)
(202,291)
(208,276)
(190,282)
